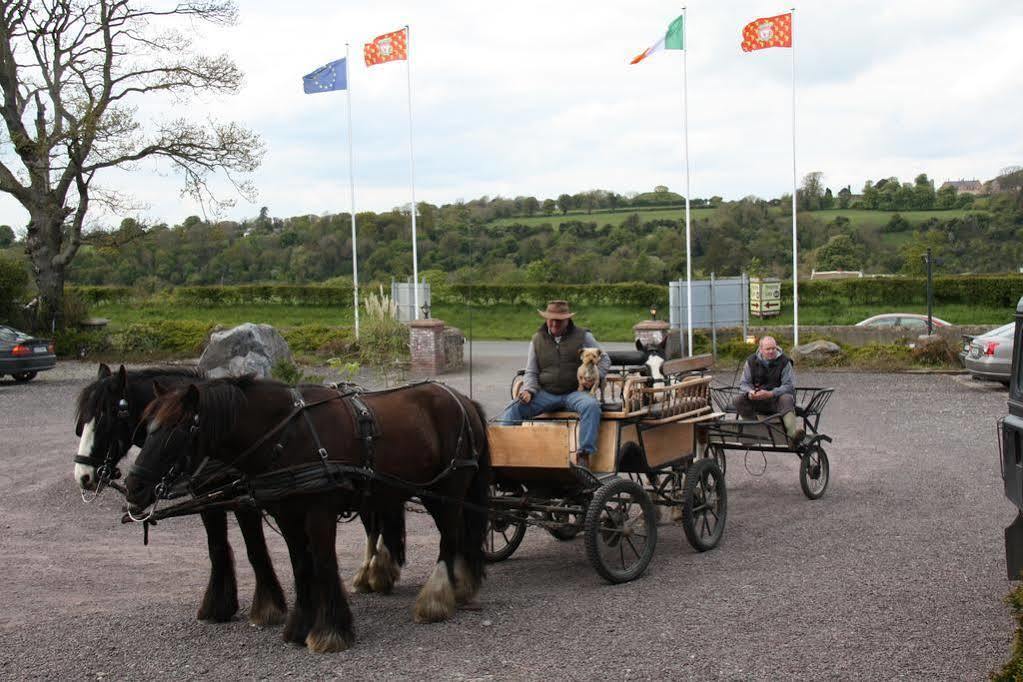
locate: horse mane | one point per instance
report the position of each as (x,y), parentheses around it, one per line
(90,398)
(220,402)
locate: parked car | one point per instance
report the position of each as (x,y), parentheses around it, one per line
(910,321)
(989,356)
(22,355)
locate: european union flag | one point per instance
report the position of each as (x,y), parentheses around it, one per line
(332,76)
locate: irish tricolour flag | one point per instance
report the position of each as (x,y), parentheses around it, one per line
(672,40)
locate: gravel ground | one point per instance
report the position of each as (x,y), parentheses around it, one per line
(897,572)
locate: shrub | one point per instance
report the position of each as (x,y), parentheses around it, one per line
(173,336)
(880,356)
(13,282)
(316,338)
(290,373)
(936,353)
(383,340)
(79,343)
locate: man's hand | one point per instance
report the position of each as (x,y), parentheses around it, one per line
(525,396)
(587,385)
(760,394)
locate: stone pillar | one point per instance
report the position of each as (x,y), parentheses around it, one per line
(426,343)
(652,332)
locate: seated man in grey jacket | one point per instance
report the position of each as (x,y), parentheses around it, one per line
(768,387)
(550,382)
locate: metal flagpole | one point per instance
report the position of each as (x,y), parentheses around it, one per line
(795,244)
(685,146)
(412,178)
(351,184)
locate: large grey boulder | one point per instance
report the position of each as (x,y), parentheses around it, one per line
(246,349)
(816,351)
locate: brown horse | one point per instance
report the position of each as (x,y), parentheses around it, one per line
(310,454)
(108,416)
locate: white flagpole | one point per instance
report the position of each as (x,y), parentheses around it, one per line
(351,186)
(685,146)
(412,177)
(795,244)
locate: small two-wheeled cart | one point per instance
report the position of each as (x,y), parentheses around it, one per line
(768,435)
(646,459)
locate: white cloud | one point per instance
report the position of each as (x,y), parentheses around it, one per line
(538,98)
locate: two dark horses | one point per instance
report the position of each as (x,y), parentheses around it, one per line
(428,434)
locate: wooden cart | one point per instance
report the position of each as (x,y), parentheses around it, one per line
(647,457)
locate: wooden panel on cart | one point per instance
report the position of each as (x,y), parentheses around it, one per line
(548,444)
(684,365)
(667,442)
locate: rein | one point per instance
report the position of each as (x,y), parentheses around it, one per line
(315,477)
(106,469)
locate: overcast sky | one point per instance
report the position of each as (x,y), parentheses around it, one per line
(538,98)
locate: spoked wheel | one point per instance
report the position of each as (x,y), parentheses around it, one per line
(814,472)
(705,505)
(717,451)
(563,533)
(504,533)
(621,530)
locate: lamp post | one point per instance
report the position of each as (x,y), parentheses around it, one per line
(653,312)
(426,310)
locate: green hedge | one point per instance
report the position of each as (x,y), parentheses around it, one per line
(984,290)
(284,294)
(997,291)
(634,294)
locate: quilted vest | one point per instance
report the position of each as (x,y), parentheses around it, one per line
(767,377)
(558,362)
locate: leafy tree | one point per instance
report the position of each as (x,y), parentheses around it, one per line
(923,193)
(565,203)
(840,253)
(549,206)
(6,236)
(945,197)
(530,205)
(73,74)
(808,198)
(828,200)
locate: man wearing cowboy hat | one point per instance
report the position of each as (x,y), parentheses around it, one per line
(550,382)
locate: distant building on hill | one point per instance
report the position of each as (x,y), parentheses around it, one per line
(965,186)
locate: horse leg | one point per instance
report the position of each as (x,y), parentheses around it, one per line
(436,601)
(332,628)
(470,562)
(385,567)
(298,624)
(361,582)
(268,604)
(220,601)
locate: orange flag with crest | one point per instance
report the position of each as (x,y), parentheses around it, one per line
(386,48)
(766,32)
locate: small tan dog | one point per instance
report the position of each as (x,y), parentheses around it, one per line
(588,372)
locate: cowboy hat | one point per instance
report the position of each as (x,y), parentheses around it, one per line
(556,310)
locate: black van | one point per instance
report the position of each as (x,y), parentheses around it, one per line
(1011,447)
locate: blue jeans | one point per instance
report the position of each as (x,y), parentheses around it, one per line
(577,401)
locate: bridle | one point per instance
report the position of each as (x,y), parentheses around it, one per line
(163,483)
(106,468)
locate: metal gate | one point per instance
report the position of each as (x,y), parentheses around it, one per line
(717,304)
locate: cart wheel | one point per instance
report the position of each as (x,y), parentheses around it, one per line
(504,535)
(621,530)
(814,472)
(563,533)
(705,505)
(717,451)
(504,531)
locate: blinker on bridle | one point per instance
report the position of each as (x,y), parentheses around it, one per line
(164,483)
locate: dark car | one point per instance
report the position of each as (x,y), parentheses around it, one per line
(23,356)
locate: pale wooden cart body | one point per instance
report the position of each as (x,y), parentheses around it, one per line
(648,456)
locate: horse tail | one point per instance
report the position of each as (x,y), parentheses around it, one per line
(476,515)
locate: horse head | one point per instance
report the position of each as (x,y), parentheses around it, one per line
(183,424)
(104,427)
(108,416)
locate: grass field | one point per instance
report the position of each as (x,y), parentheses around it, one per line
(879,218)
(608,323)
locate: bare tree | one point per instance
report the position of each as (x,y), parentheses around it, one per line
(72,73)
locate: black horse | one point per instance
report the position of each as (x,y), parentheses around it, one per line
(108,417)
(313,453)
